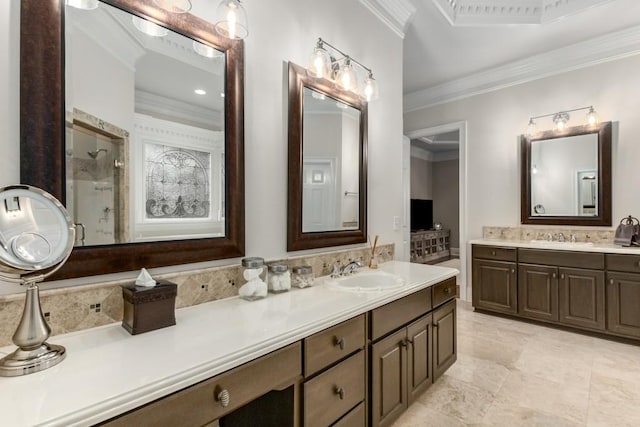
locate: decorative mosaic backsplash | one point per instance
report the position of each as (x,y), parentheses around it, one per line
(594,235)
(83,307)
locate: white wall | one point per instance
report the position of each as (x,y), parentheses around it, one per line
(446,206)
(494,121)
(280,31)
(421,179)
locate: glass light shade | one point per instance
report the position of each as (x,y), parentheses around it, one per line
(561,120)
(347,78)
(231,20)
(320,64)
(206,50)
(592,117)
(83,4)
(370,89)
(174,6)
(149,28)
(531,127)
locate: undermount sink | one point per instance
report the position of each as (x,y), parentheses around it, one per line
(366,281)
(555,243)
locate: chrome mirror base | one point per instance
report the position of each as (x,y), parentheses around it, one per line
(33,353)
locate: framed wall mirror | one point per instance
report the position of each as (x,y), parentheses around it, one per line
(133,117)
(566,177)
(327,164)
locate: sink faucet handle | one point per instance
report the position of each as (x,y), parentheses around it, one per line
(335,272)
(560,237)
(573,238)
(550,237)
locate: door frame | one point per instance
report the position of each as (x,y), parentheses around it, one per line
(465,261)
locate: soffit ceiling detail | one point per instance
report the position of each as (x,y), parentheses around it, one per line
(510,12)
(395,13)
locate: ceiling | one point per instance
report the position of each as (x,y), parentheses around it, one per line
(439,143)
(437,51)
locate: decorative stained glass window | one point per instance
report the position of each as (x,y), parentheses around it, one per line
(177,182)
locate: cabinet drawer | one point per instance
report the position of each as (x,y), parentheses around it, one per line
(497,253)
(591,260)
(333,344)
(626,263)
(355,418)
(398,313)
(197,405)
(332,394)
(444,291)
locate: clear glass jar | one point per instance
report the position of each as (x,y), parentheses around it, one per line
(254,279)
(279,278)
(302,276)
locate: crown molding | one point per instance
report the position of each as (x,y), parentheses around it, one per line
(396,14)
(591,52)
(461,13)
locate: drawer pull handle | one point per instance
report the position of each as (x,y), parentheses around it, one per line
(404,343)
(340,392)
(340,342)
(435,325)
(224,398)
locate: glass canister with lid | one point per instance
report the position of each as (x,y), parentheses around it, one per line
(302,276)
(279,278)
(254,277)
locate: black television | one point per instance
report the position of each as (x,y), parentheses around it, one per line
(421,214)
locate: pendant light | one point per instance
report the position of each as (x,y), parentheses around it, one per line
(231,20)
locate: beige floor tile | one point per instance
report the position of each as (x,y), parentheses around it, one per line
(563,367)
(488,349)
(510,415)
(485,374)
(457,399)
(613,402)
(528,391)
(419,415)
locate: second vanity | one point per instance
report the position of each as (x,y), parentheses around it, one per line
(584,286)
(327,356)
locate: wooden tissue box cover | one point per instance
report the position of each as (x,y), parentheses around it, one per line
(147,309)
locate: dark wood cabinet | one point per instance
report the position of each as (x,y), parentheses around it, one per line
(623,304)
(420,359)
(581,298)
(538,292)
(495,286)
(445,345)
(389,378)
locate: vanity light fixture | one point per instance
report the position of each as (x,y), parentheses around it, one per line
(148,27)
(83,4)
(174,6)
(231,20)
(561,119)
(329,62)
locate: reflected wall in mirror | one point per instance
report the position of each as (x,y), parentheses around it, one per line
(136,122)
(327,164)
(566,176)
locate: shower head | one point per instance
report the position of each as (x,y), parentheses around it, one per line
(94,154)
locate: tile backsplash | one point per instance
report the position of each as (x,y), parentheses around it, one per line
(83,307)
(595,235)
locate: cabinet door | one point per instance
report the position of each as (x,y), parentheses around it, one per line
(420,360)
(538,292)
(581,298)
(445,347)
(389,379)
(623,302)
(494,286)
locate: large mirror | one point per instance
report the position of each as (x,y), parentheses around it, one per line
(136,122)
(566,177)
(327,164)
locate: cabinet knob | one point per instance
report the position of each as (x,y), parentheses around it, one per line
(340,392)
(340,342)
(513,270)
(493,253)
(554,275)
(435,325)
(447,290)
(562,276)
(638,263)
(611,281)
(404,343)
(223,397)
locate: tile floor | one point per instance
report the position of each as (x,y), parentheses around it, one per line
(511,373)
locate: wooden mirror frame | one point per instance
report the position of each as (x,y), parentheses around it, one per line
(42,138)
(604,177)
(296,239)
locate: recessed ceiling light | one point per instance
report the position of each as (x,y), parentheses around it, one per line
(200,92)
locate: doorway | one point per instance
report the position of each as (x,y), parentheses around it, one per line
(439,153)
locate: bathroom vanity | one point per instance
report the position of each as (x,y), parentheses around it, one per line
(589,287)
(313,357)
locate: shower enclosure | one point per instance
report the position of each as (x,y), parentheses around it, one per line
(95,152)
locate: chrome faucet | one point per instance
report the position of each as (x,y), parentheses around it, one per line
(350,268)
(573,238)
(560,237)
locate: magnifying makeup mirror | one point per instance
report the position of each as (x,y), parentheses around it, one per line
(36,238)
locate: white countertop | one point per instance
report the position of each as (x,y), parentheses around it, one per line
(560,246)
(108,372)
